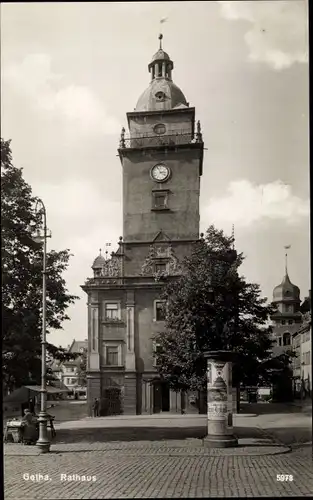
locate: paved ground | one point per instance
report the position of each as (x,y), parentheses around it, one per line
(163,457)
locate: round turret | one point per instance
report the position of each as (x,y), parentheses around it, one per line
(98,262)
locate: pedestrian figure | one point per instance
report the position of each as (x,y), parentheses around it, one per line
(95,407)
(29,428)
(50,419)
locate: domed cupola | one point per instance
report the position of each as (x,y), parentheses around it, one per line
(98,263)
(162,93)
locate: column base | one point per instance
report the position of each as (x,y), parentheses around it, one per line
(211,441)
(43,443)
(43,447)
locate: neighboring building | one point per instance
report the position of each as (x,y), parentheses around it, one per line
(162,163)
(68,372)
(292,331)
(302,364)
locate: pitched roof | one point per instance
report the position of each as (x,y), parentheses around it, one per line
(77,345)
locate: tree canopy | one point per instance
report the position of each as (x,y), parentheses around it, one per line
(22,280)
(211,307)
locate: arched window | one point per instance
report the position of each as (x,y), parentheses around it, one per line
(286,338)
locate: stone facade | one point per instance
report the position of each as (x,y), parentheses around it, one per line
(160,226)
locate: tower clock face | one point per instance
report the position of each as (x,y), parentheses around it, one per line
(160,173)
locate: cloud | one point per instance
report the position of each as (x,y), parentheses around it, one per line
(52,94)
(278,33)
(246,204)
(79,217)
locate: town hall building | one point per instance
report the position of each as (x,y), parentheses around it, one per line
(161,158)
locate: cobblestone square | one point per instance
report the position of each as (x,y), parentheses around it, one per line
(159,464)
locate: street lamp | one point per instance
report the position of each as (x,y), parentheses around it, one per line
(41,236)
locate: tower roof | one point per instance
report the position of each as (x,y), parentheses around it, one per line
(98,262)
(162,93)
(160,55)
(286,290)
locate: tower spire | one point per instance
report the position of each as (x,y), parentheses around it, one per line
(160,38)
(233,235)
(286,259)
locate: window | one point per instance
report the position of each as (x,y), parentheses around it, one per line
(156,350)
(290,321)
(159,129)
(112,355)
(73,381)
(305,336)
(160,267)
(283,322)
(286,338)
(68,381)
(159,200)
(306,358)
(159,310)
(111,311)
(279,341)
(297,362)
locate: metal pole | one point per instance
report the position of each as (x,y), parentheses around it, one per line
(43,442)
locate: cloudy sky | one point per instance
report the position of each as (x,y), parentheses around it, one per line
(70,72)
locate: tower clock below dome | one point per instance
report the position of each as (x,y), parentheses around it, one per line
(161,156)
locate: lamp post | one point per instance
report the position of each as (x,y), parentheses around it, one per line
(41,236)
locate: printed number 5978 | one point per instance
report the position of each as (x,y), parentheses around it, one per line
(284,477)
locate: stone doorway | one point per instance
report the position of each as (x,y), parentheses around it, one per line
(161,397)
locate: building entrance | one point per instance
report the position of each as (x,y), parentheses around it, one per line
(161,397)
(111,402)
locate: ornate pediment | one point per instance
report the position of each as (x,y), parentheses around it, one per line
(161,261)
(111,268)
(161,237)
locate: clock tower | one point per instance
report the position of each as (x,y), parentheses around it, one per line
(161,157)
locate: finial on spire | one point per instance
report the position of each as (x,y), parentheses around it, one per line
(160,38)
(286,258)
(233,235)
(100,250)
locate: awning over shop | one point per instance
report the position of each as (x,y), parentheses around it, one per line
(50,389)
(24,393)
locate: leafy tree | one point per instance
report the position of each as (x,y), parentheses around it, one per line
(22,280)
(211,307)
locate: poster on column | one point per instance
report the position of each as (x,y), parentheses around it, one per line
(217,380)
